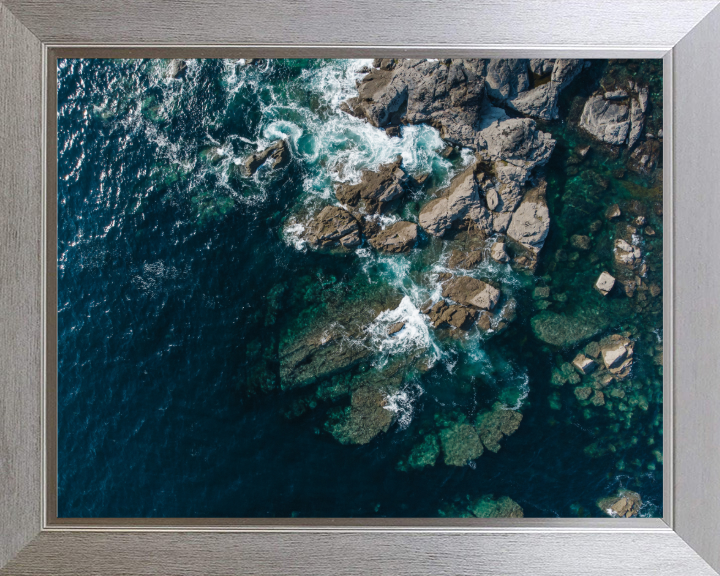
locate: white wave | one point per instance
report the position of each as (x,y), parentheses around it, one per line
(415,334)
(402,403)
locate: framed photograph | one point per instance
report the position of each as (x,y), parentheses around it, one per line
(358,294)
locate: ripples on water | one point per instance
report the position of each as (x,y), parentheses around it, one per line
(165,262)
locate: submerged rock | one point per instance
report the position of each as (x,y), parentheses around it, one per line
(333,227)
(424,454)
(483,507)
(562,330)
(646,158)
(465,260)
(376,189)
(471,292)
(276,156)
(494,425)
(365,418)
(503,507)
(399,237)
(623,505)
(460,444)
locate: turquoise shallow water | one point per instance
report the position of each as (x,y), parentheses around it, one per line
(179,284)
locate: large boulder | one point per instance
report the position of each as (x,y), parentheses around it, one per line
(460,201)
(469,291)
(606,119)
(515,147)
(331,228)
(542,101)
(376,188)
(275,156)
(399,237)
(531,222)
(506,78)
(563,330)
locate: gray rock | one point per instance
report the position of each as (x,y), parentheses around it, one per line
(637,122)
(471,292)
(605,283)
(542,101)
(531,222)
(399,237)
(333,227)
(501,221)
(498,252)
(375,189)
(541,66)
(445,96)
(505,79)
(176,68)
(626,253)
(646,157)
(583,364)
(276,156)
(442,315)
(618,94)
(606,120)
(461,200)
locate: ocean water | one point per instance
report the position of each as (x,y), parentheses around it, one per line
(179,283)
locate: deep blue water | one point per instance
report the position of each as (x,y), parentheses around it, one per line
(169,272)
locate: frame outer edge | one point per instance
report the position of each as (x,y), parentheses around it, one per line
(20,250)
(397,554)
(696,142)
(20,283)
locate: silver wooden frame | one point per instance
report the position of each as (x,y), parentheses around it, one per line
(685,33)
